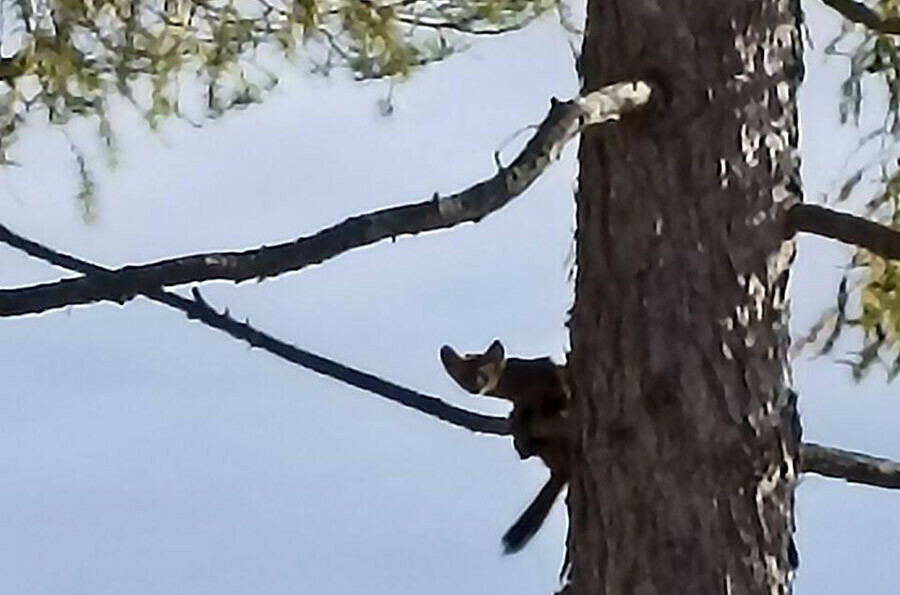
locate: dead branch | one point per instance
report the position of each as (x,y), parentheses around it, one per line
(564,121)
(854,467)
(198,309)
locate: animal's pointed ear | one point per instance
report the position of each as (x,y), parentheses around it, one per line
(449,358)
(495,353)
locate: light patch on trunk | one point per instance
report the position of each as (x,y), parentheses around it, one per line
(611,101)
(746,47)
(783,92)
(727,323)
(780,194)
(750,141)
(742,315)
(726,351)
(722,171)
(776,264)
(749,339)
(757,292)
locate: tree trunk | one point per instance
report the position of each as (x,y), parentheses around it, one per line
(688,439)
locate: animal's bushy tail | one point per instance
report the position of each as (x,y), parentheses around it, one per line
(533,517)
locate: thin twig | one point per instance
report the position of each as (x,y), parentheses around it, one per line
(198,309)
(462,26)
(432,406)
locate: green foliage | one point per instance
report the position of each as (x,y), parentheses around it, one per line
(873,283)
(197,59)
(878,315)
(872,56)
(868,298)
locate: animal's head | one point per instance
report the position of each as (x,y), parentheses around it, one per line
(478,373)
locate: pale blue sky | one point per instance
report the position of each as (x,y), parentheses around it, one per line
(141,453)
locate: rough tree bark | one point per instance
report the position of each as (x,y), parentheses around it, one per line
(688,441)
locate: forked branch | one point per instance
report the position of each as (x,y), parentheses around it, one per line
(830,462)
(564,122)
(198,309)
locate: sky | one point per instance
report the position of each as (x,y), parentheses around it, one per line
(144,453)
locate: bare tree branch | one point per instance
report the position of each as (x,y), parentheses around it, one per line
(198,309)
(564,121)
(850,229)
(432,406)
(858,12)
(854,467)
(851,466)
